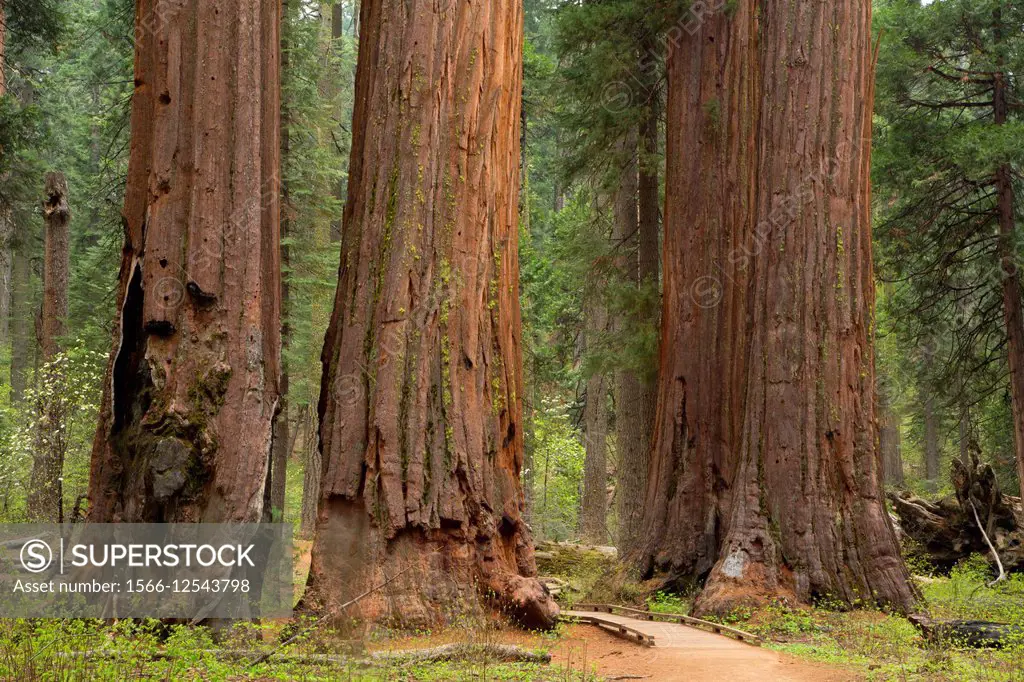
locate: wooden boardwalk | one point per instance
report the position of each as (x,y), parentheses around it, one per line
(659,634)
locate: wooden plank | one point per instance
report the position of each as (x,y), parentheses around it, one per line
(618,629)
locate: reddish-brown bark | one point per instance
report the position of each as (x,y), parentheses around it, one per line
(765,468)
(807,516)
(45,489)
(709,216)
(192,385)
(421,402)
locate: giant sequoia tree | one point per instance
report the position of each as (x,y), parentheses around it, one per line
(766,470)
(192,386)
(709,214)
(421,404)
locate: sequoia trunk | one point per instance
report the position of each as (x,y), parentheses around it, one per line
(807,516)
(192,384)
(421,402)
(45,490)
(765,468)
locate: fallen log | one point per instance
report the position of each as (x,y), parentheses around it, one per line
(556,547)
(462,651)
(977,634)
(977,519)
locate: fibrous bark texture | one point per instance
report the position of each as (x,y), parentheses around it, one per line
(594,503)
(45,493)
(709,215)
(776,488)
(421,402)
(192,385)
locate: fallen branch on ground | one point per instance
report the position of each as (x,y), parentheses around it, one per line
(499,653)
(972,633)
(991,548)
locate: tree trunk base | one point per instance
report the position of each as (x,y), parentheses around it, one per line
(757,587)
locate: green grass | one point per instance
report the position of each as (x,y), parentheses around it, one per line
(667,602)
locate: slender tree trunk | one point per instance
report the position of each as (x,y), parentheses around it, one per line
(1013,304)
(709,217)
(965,436)
(889,441)
(594,503)
(279,449)
(6,270)
(6,218)
(529,414)
(337,33)
(192,386)
(45,491)
(22,338)
(421,406)
(931,441)
(636,396)
(765,467)
(310,480)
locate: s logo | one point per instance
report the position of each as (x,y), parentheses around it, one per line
(36,556)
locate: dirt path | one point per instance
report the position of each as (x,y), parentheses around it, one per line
(685,654)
